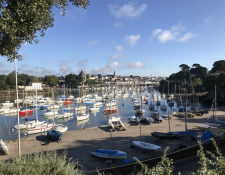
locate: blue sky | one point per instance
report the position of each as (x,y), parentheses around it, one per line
(144,38)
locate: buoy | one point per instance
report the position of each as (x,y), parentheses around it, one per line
(12,130)
(25,134)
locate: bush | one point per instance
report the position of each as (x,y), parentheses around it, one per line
(191,115)
(40,163)
(181,114)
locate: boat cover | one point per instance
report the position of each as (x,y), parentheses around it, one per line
(54,135)
(206,136)
(183,133)
(128,160)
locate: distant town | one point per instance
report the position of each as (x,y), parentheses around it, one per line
(99,80)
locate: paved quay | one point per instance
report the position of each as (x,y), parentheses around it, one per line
(80,143)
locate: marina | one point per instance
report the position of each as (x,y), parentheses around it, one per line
(130,128)
(97,115)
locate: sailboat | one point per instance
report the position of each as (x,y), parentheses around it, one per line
(39,127)
(144,145)
(26,111)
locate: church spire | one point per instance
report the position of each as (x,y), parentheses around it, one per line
(114,72)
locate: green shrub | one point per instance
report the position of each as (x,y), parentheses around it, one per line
(191,115)
(181,114)
(39,164)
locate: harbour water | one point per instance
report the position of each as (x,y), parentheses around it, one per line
(124,105)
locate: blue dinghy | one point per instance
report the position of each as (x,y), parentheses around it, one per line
(110,154)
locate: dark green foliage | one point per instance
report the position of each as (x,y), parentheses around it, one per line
(218,66)
(72,80)
(20,20)
(91,82)
(87,76)
(50,80)
(198,71)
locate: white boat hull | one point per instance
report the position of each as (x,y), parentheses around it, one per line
(3,147)
(146,146)
(111,156)
(40,128)
(82,117)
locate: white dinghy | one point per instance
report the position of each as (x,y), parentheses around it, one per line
(146,146)
(60,128)
(82,116)
(109,154)
(3,147)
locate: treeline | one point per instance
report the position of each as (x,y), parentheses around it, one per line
(9,81)
(197,78)
(71,80)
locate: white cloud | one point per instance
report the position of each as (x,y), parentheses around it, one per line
(178,28)
(93,42)
(132,40)
(28,71)
(119,48)
(135,65)
(155,32)
(118,24)
(98,70)
(130,10)
(40,70)
(64,68)
(187,36)
(81,63)
(51,72)
(207,20)
(167,35)
(113,64)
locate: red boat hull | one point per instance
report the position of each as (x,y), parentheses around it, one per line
(68,102)
(26,112)
(25,115)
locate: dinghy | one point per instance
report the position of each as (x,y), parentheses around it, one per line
(146,146)
(109,154)
(3,147)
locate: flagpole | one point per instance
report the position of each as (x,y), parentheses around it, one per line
(18,119)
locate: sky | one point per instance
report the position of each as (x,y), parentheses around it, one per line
(139,38)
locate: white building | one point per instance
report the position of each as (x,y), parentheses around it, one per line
(34,86)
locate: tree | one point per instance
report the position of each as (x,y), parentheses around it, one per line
(51,80)
(184,67)
(3,85)
(10,80)
(72,80)
(198,71)
(87,77)
(218,66)
(21,20)
(209,82)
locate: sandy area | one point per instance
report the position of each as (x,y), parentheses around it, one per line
(81,143)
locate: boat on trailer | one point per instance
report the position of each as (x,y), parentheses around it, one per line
(109,154)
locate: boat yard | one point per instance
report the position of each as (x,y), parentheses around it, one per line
(80,143)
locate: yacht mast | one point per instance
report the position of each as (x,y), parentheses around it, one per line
(18,118)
